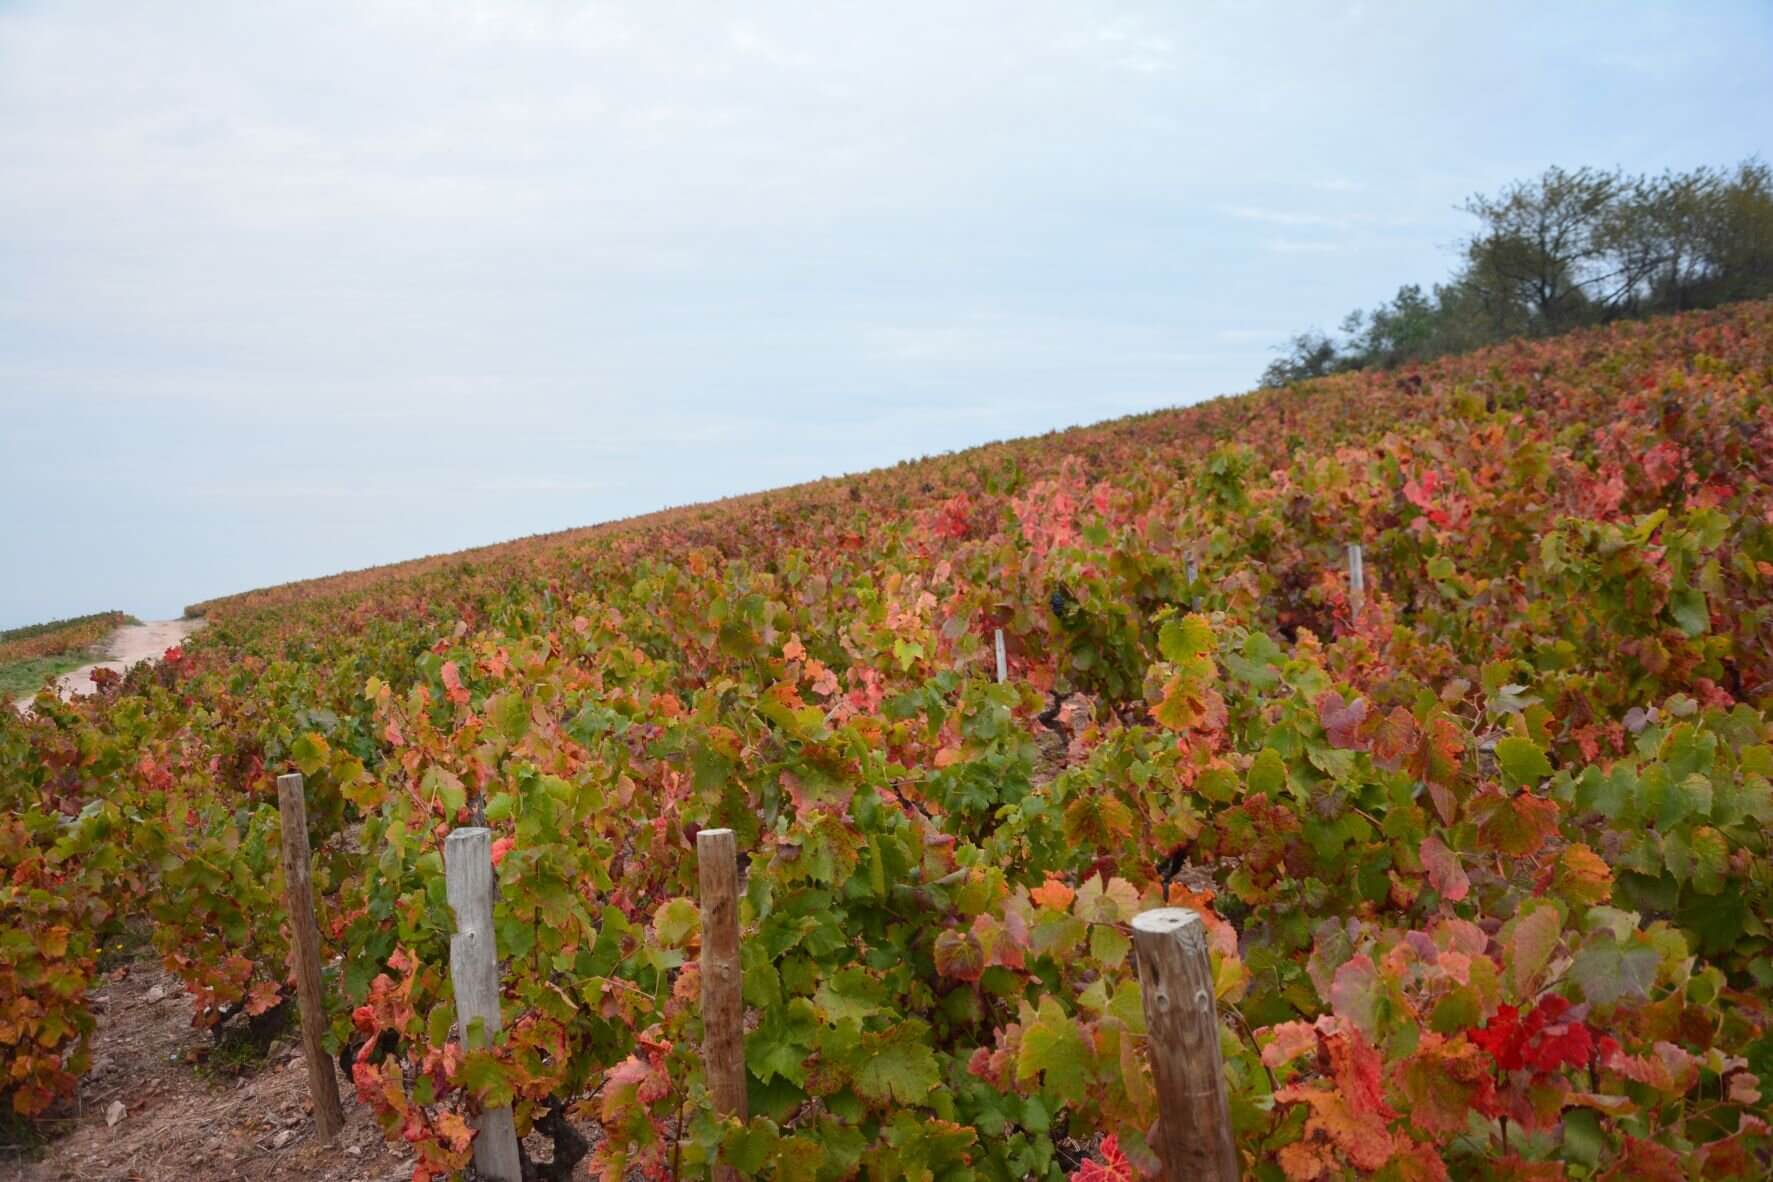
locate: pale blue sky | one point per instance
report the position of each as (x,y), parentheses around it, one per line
(287,289)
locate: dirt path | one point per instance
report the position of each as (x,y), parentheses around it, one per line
(147,1112)
(129,645)
(158,1107)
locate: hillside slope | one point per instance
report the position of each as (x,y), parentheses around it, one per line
(1483,858)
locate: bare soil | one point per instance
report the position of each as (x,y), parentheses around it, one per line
(181,1123)
(128,646)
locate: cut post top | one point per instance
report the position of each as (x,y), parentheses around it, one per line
(468,878)
(1162,920)
(289,779)
(704,836)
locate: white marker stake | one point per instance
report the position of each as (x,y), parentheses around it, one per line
(1357,580)
(1003,668)
(474,971)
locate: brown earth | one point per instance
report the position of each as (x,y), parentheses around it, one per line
(128,646)
(182,1123)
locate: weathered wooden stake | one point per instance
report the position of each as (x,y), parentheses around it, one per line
(723,1014)
(1176,979)
(474,971)
(1003,668)
(304,957)
(1357,580)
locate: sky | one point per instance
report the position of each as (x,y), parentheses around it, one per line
(288,289)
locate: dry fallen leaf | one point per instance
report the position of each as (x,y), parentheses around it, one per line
(115,1113)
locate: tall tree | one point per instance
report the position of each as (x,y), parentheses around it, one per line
(1667,225)
(1308,355)
(1738,235)
(1543,246)
(1563,249)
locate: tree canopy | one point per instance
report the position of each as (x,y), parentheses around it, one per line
(1565,249)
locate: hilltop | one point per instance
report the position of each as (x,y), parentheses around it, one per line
(1481,851)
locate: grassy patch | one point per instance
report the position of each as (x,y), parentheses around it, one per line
(132,940)
(32,655)
(242,1043)
(24,678)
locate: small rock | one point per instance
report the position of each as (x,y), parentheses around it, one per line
(353,1150)
(282,1139)
(156,995)
(116,1112)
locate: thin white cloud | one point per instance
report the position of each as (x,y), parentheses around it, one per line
(283,490)
(1022,341)
(529,484)
(1302,246)
(752,42)
(1288,217)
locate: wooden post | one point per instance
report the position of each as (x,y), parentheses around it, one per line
(723,1014)
(304,957)
(1003,668)
(1357,581)
(1176,979)
(474,971)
